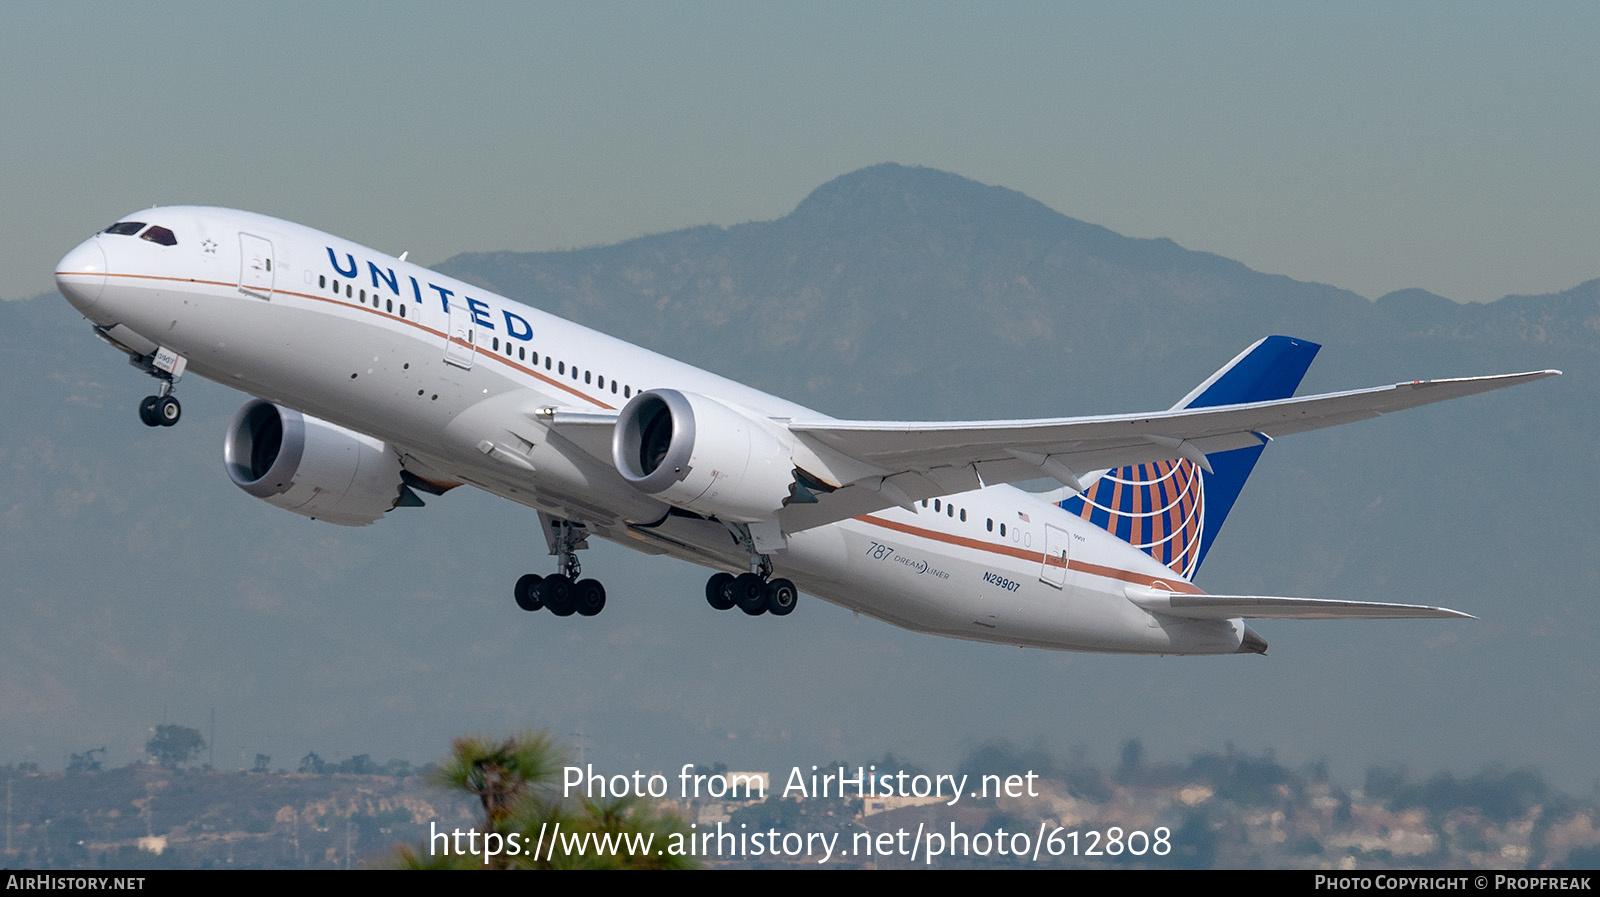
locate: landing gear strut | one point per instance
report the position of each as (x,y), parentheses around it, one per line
(562,593)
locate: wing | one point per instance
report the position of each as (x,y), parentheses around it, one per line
(1264,607)
(857,467)
(912,461)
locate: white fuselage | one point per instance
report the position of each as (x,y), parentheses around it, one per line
(436,368)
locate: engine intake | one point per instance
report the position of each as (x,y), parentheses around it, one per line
(311,467)
(701,455)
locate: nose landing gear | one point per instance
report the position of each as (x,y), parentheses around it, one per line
(160,410)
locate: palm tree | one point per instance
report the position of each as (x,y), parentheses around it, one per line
(515,782)
(502,774)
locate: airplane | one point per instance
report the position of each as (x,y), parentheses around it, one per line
(375,379)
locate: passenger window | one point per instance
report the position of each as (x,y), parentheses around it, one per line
(497,344)
(990,524)
(402,309)
(963,515)
(627,391)
(1002,529)
(322,281)
(936,507)
(613,387)
(560,368)
(586,376)
(389,306)
(522,353)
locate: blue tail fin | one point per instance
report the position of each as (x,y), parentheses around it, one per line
(1172,510)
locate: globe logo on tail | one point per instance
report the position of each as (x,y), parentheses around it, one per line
(1158,508)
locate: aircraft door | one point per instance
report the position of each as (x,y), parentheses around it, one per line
(1054,571)
(460,341)
(255,265)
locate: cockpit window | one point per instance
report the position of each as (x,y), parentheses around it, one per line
(159,234)
(125,228)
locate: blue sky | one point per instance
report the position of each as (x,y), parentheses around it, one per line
(1371,146)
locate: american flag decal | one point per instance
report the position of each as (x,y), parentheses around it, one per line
(1158,508)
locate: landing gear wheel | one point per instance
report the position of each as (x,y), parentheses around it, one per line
(717,591)
(749,592)
(780,597)
(556,594)
(526,599)
(147,411)
(589,597)
(167,411)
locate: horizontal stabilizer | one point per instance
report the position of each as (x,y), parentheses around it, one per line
(1268,607)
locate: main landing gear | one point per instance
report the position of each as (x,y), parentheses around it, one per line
(755,592)
(562,593)
(751,593)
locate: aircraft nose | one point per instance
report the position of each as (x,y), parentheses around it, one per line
(81,274)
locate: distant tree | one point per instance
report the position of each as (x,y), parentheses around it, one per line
(1132,758)
(360,764)
(262,763)
(1382,783)
(311,763)
(398,768)
(173,746)
(783,814)
(85,762)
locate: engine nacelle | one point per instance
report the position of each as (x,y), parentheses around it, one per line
(701,455)
(311,467)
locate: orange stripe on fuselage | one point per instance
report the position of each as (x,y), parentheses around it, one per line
(1027,555)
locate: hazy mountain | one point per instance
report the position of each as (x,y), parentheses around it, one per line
(907,292)
(142,587)
(896,286)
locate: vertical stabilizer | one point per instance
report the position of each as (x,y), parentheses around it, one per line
(1172,510)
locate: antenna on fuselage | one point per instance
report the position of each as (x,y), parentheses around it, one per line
(404,254)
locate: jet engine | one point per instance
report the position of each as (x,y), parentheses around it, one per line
(311,467)
(701,455)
